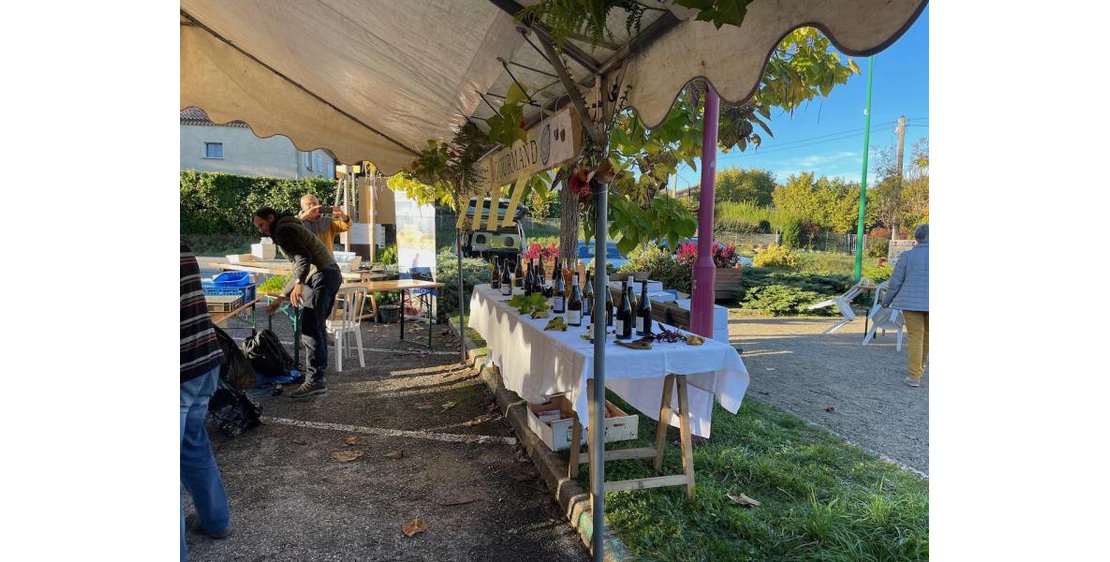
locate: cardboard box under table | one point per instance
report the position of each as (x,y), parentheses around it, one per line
(553,423)
(673,382)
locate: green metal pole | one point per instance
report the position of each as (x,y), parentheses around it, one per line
(858,272)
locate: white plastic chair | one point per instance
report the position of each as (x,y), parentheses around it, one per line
(347,320)
(844,304)
(884,318)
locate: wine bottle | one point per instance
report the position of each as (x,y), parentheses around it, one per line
(495,275)
(506,281)
(528,280)
(587,296)
(625,316)
(542,278)
(574,304)
(643,313)
(518,280)
(559,290)
(608,306)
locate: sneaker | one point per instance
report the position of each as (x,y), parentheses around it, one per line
(912,382)
(192,523)
(309,389)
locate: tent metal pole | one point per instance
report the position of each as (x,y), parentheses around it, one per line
(597,401)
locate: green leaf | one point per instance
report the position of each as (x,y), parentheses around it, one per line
(515,95)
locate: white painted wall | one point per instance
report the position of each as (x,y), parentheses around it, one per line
(247,155)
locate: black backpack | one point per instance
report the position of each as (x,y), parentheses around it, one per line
(267,355)
(235,369)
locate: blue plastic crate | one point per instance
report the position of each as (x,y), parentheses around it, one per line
(213,290)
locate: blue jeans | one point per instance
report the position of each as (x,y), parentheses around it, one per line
(199,473)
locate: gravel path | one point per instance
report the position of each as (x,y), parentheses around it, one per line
(290,500)
(795,367)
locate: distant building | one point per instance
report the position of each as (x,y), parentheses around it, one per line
(233,148)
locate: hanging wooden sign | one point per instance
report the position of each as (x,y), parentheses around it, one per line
(551,142)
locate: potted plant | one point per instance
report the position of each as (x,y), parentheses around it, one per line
(727,281)
(389,307)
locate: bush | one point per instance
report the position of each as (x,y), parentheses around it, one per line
(780,300)
(877,247)
(824,285)
(475,272)
(724,255)
(660,266)
(776,256)
(876,273)
(388,255)
(217,203)
(792,233)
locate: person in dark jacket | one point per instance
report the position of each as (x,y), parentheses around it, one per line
(200,371)
(313,285)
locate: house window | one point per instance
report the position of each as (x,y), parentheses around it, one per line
(319,163)
(213,150)
(307,160)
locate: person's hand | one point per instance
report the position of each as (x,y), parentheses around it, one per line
(338,213)
(274,305)
(296,296)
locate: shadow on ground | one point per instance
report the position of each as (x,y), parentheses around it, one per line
(831,380)
(290,500)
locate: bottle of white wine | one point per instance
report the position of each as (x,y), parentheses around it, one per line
(559,290)
(495,275)
(574,304)
(506,281)
(518,275)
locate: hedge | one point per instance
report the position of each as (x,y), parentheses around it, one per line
(218,203)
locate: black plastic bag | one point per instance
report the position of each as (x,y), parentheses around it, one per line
(235,369)
(232,410)
(266,354)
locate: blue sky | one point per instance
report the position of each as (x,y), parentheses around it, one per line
(826,137)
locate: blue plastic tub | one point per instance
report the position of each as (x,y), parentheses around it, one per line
(213,290)
(232,279)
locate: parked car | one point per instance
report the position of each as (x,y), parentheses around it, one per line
(613,256)
(506,241)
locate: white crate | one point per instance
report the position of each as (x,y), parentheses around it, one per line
(264,251)
(555,428)
(653,286)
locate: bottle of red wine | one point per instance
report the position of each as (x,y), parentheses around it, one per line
(542,277)
(626,318)
(559,290)
(518,279)
(506,281)
(528,280)
(587,296)
(574,304)
(643,313)
(495,275)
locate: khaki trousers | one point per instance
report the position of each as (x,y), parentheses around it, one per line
(917,332)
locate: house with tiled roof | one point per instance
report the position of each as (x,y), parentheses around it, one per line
(234,148)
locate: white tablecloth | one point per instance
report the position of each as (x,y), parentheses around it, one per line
(538,364)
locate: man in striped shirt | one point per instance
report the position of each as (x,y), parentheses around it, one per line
(200,370)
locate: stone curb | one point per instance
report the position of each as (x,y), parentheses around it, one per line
(574,500)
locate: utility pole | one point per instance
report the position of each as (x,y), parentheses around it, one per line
(900,130)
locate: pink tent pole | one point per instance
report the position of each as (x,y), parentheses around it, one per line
(701,309)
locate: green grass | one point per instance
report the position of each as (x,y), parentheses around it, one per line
(828,262)
(822,499)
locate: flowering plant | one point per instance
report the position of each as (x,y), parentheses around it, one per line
(724,255)
(539,251)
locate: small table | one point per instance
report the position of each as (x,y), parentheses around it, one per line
(221,318)
(402,286)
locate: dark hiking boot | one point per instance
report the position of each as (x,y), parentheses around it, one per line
(192,523)
(309,389)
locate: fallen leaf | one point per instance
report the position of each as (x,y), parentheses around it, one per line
(770,368)
(448,405)
(300,442)
(743,500)
(395,455)
(413,527)
(830,409)
(346,456)
(765,393)
(352,440)
(424,406)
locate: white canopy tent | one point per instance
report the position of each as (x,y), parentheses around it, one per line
(376,79)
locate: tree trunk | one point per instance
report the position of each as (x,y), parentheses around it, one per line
(568,226)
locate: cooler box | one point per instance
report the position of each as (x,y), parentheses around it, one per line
(720,320)
(264,251)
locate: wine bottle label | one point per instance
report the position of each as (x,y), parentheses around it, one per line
(506,290)
(560,303)
(640,324)
(574,317)
(620,327)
